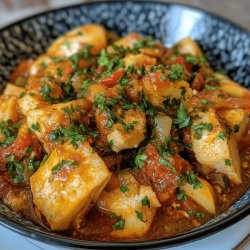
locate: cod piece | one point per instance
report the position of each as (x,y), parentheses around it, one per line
(238,120)
(213,147)
(45,121)
(68,183)
(133,203)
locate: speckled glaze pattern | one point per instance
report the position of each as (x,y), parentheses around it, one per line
(226,46)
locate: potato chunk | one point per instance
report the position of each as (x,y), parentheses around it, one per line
(135,203)
(214,148)
(204,195)
(238,120)
(130,134)
(163,126)
(73,41)
(68,184)
(43,121)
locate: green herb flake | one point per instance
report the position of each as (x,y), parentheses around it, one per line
(75,133)
(139,215)
(140,159)
(176,72)
(67,44)
(46,94)
(36,126)
(43,64)
(15,170)
(206,102)
(222,135)
(193,180)
(118,225)
(164,78)
(60,71)
(228,130)
(228,162)
(181,195)
(111,143)
(142,43)
(63,164)
(139,71)
(33,164)
(85,85)
(182,119)
(145,202)
(210,87)
(9,131)
(183,91)
(236,128)
(192,59)
(200,127)
(123,189)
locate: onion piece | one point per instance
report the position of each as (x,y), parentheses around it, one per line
(163,126)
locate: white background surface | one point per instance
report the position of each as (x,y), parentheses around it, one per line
(223,240)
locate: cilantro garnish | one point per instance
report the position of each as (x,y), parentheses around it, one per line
(118,225)
(15,169)
(192,179)
(46,94)
(60,71)
(36,126)
(236,128)
(192,59)
(140,158)
(228,162)
(145,202)
(176,72)
(200,127)
(33,164)
(83,54)
(210,87)
(63,164)
(9,130)
(222,135)
(85,85)
(142,43)
(181,195)
(139,215)
(206,102)
(182,120)
(73,133)
(123,189)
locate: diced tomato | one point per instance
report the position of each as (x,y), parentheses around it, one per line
(156,79)
(19,147)
(217,100)
(112,80)
(164,179)
(101,122)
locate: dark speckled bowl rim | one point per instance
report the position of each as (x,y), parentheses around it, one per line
(183,238)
